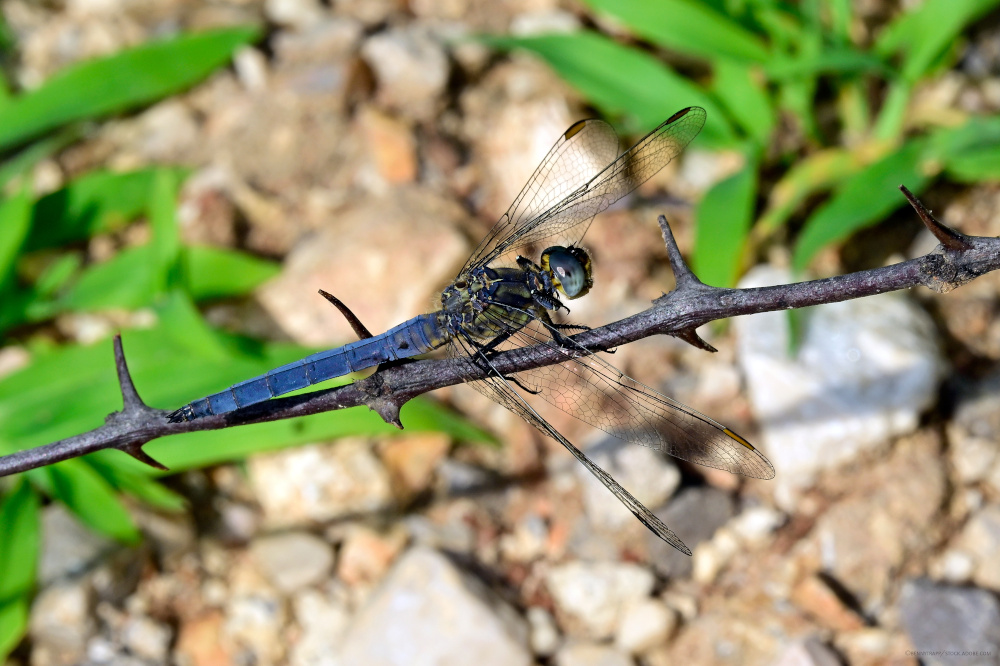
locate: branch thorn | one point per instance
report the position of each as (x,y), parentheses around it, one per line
(682,272)
(947,236)
(689,336)
(135,450)
(131,401)
(352,319)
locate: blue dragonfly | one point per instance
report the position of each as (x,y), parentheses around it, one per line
(502,301)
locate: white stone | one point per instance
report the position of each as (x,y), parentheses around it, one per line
(147,638)
(411,68)
(544,632)
(322,620)
(427,612)
(293,560)
(591,654)
(755,525)
(645,624)
(594,594)
(68,548)
(294,13)
(863,372)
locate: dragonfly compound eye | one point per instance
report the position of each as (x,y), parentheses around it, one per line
(569,268)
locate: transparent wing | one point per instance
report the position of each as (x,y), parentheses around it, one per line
(589,388)
(498,389)
(561,198)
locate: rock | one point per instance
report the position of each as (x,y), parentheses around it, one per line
(322,620)
(68,548)
(391,147)
(545,637)
(695,514)
(756,525)
(412,461)
(942,618)
(816,597)
(809,652)
(645,624)
(254,625)
(645,473)
(366,555)
(973,433)
(293,560)
(886,514)
(980,542)
(426,611)
(198,641)
(61,622)
(319,483)
(864,371)
(411,69)
(591,654)
(298,14)
(593,596)
(376,257)
(147,639)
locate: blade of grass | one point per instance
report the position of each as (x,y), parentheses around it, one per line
(19,546)
(119,82)
(724,217)
(862,200)
(92,499)
(219,273)
(13,624)
(15,224)
(622,81)
(689,27)
(743,92)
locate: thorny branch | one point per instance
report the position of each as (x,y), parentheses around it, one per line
(956,261)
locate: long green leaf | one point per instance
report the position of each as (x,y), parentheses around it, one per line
(925,31)
(218,273)
(15,223)
(19,545)
(97,202)
(166,241)
(13,624)
(127,280)
(724,218)
(746,98)
(863,200)
(92,499)
(119,82)
(622,81)
(690,27)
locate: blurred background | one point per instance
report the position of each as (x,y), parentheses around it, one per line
(190,172)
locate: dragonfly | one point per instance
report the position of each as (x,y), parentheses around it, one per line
(503,301)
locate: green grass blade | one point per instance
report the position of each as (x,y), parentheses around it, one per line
(19,545)
(136,483)
(166,241)
(218,273)
(923,33)
(862,200)
(127,280)
(13,624)
(95,203)
(92,499)
(22,162)
(690,27)
(119,82)
(745,97)
(622,81)
(724,217)
(15,224)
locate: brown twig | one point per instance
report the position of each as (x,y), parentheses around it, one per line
(955,262)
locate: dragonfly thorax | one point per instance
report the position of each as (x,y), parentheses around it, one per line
(569,269)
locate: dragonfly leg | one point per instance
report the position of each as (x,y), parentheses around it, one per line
(482,351)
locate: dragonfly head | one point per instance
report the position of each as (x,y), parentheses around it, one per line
(569,268)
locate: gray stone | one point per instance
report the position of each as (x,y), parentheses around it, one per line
(426,612)
(322,619)
(592,596)
(319,483)
(645,473)
(147,638)
(545,637)
(645,624)
(411,69)
(863,372)
(942,618)
(61,622)
(293,560)
(694,515)
(974,432)
(68,548)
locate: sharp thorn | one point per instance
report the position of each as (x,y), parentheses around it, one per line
(689,336)
(135,450)
(130,396)
(682,272)
(359,328)
(947,236)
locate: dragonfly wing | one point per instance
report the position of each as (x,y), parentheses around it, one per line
(583,151)
(589,388)
(567,216)
(499,389)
